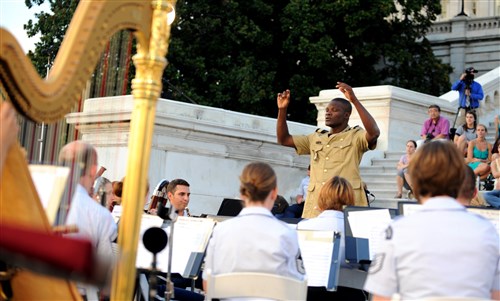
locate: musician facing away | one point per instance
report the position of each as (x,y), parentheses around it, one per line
(255,241)
(442,250)
(94,222)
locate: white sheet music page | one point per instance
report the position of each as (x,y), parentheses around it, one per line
(50,181)
(117,213)
(370,224)
(144,257)
(190,235)
(316,248)
(409,209)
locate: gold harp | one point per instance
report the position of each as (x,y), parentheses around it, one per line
(49,100)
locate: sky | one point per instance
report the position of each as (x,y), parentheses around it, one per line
(14,14)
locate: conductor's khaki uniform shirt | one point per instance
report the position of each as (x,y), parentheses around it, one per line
(332,155)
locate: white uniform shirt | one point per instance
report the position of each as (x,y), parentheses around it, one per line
(303,187)
(441,250)
(330,220)
(94,222)
(254,241)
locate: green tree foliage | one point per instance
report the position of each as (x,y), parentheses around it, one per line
(238,55)
(52,27)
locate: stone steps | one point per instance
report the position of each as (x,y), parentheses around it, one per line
(380,177)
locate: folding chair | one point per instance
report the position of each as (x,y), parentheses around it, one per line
(255,285)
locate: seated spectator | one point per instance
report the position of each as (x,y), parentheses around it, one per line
(479,153)
(295,210)
(493,197)
(497,127)
(301,196)
(468,191)
(255,241)
(433,252)
(436,127)
(466,132)
(402,178)
(280,206)
(495,153)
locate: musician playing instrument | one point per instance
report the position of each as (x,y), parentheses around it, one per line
(93,220)
(255,241)
(434,252)
(178,193)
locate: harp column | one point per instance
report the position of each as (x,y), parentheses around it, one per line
(150,62)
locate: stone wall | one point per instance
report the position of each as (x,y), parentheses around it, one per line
(206,146)
(209,146)
(463,42)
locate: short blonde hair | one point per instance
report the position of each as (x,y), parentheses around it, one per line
(335,194)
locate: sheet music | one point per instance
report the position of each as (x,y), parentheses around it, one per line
(117,213)
(316,248)
(370,224)
(492,215)
(409,209)
(50,181)
(190,235)
(144,257)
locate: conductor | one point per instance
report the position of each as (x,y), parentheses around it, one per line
(337,152)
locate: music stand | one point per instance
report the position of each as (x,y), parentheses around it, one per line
(230,207)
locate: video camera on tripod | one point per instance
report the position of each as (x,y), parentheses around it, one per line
(469,77)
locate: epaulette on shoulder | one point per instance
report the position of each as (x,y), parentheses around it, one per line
(321,131)
(357,128)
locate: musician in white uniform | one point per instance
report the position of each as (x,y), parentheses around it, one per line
(94,221)
(334,195)
(255,241)
(441,250)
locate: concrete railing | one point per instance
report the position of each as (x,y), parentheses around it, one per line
(209,146)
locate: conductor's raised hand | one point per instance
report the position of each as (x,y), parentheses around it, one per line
(283,99)
(347,90)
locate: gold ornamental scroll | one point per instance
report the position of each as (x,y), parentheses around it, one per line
(47,100)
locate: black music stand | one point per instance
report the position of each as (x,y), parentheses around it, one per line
(230,207)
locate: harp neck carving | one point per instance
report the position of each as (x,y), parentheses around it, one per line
(94,22)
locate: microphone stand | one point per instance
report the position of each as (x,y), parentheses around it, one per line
(152,279)
(155,240)
(169,291)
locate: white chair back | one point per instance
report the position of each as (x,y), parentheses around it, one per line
(447,299)
(255,285)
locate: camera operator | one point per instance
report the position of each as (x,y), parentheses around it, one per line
(470,92)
